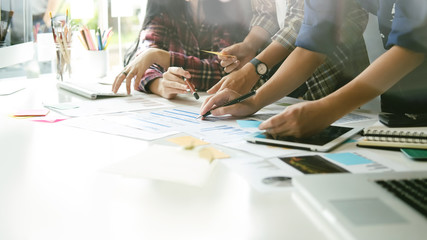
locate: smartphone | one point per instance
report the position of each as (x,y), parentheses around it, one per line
(415,154)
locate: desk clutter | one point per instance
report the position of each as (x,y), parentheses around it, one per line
(143,155)
(180,143)
(94,41)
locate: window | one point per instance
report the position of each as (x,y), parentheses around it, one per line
(29,24)
(15,36)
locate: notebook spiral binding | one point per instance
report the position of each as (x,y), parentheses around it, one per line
(396,136)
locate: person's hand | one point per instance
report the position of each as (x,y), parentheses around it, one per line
(241,54)
(299,120)
(240,81)
(242,109)
(46,19)
(136,69)
(171,84)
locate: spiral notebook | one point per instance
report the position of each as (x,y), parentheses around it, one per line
(381,136)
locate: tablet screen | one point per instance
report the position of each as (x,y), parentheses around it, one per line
(327,135)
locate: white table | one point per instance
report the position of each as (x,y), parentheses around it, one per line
(52,187)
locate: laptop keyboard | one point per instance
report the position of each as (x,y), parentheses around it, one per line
(411,191)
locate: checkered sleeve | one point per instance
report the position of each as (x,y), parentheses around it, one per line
(264,15)
(204,72)
(155,71)
(294,16)
(346,61)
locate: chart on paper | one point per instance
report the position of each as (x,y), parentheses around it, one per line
(166,120)
(154,124)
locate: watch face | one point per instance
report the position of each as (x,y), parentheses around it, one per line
(261,68)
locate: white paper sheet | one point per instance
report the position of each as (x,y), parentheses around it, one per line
(105,106)
(166,163)
(273,174)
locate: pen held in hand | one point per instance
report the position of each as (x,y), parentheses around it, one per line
(217,53)
(229,103)
(193,91)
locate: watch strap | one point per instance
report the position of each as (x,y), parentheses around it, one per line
(255,62)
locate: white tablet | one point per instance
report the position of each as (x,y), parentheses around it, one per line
(324,141)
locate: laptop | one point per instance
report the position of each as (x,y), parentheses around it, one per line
(362,206)
(326,140)
(91,90)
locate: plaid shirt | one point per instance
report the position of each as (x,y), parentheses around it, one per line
(184,44)
(342,65)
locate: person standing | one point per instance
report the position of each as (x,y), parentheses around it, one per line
(403,25)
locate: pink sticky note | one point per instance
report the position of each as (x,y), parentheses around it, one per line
(49,120)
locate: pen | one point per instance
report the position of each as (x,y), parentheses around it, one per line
(234,101)
(66,17)
(51,25)
(217,53)
(196,96)
(100,47)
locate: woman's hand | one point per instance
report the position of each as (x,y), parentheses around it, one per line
(171,83)
(299,120)
(136,69)
(242,109)
(241,54)
(240,81)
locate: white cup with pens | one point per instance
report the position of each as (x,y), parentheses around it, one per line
(94,58)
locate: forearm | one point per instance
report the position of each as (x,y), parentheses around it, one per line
(272,55)
(257,38)
(296,69)
(387,70)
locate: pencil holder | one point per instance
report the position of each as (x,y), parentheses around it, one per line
(96,63)
(62,36)
(63,62)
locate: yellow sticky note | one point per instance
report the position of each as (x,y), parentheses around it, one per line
(32,113)
(211,153)
(186,141)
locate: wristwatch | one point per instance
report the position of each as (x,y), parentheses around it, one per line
(260,68)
